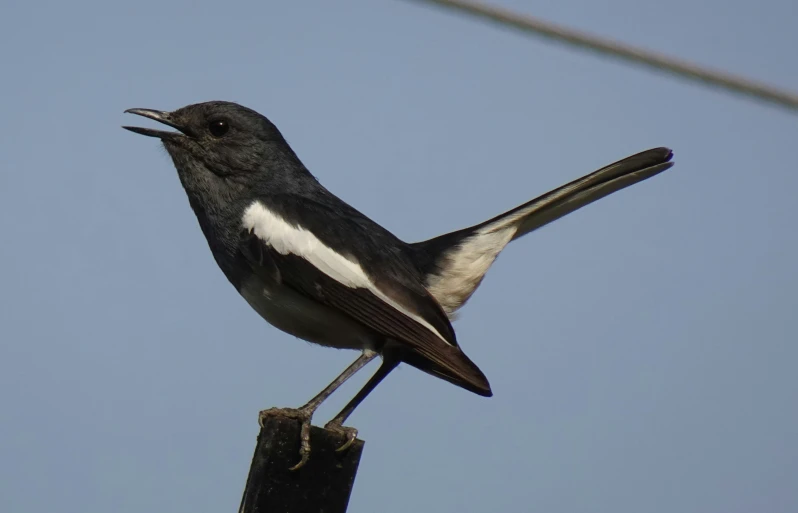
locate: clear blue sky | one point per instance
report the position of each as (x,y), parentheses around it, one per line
(642,351)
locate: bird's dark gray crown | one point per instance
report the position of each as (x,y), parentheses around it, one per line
(243,122)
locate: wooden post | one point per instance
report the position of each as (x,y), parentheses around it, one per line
(323,485)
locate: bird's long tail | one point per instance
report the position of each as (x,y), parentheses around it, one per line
(456,262)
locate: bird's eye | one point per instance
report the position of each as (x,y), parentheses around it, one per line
(218,127)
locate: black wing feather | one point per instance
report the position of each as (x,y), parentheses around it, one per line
(385,258)
(421,347)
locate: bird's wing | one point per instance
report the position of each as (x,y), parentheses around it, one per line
(382,294)
(455,263)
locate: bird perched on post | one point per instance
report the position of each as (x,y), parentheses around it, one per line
(314,267)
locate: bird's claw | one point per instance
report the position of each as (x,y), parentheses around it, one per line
(303,416)
(349,432)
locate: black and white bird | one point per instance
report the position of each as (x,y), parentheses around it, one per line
(316,268)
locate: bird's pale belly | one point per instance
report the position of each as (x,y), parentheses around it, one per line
(297,315)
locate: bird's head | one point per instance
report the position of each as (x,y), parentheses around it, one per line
(223,138)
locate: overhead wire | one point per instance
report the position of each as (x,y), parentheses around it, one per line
(678,67)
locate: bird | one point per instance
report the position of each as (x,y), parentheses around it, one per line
(318,269)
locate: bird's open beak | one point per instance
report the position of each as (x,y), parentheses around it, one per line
(157,115)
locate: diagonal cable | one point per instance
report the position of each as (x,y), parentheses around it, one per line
(717,78)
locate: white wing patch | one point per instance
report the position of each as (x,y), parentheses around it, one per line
(464,266)
(286,239)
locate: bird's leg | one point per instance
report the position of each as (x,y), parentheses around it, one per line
(305,413)
(337,423)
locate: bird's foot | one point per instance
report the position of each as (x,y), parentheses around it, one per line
(304,415)
(349,433)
